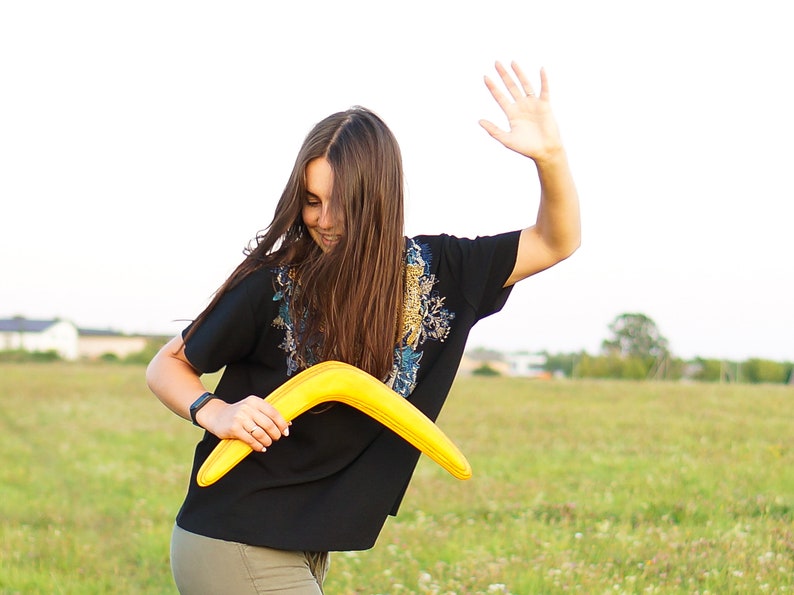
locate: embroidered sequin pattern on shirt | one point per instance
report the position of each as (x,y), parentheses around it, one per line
(424,318)
(283,294)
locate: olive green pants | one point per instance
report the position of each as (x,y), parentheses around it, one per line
(205,566)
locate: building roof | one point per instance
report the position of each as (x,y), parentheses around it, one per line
(24,325)
(20,324)
(90,332)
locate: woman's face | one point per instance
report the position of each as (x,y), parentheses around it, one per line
(317,214)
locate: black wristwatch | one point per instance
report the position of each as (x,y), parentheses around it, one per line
(198,404)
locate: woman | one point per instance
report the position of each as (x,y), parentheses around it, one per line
(332,277)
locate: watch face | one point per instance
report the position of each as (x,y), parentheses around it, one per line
(201,400)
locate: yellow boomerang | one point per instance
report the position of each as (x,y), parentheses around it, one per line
(337,381)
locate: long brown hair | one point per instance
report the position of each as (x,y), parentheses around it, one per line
(348,301)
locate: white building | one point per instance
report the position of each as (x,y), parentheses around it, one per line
(20,333)
(65,339)
(528,365)
(92,344)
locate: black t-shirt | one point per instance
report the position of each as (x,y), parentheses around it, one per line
(331,484)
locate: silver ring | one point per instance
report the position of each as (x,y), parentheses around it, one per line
(254,429)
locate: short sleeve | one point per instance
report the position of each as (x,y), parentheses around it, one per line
(230,331)
(481,267)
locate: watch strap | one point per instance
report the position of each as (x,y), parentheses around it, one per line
(198,404)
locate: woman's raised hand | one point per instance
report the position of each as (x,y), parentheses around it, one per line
(532,130)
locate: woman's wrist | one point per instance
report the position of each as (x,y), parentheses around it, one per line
(551,157)
(208,412)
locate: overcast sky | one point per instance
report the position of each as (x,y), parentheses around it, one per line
(142,144)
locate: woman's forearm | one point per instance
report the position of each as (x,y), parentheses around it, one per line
(173,380)
(558,221)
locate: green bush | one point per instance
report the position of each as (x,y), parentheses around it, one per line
(485,370)
(21,356)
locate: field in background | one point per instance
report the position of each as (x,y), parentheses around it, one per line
(593,487)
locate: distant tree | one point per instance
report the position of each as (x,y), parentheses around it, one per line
(613,366)
(635,335)
(707,370)
(761,370)
(562,363)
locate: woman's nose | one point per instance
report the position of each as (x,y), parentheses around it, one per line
(325,219)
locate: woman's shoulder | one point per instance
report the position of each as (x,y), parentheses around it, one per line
(446,241)
(426,240)
(258,277)
(258,286)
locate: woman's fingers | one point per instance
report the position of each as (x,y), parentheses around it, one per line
(508,81)
(258,423)
(523,79)
(517,93)
(497,94)
(544,85)
(491,128)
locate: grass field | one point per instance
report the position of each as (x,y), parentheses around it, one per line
(590,487)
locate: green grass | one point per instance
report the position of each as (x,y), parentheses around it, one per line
(589,487)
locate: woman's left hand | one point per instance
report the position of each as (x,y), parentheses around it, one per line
(532,130)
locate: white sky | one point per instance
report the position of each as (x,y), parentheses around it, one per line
(142,144)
